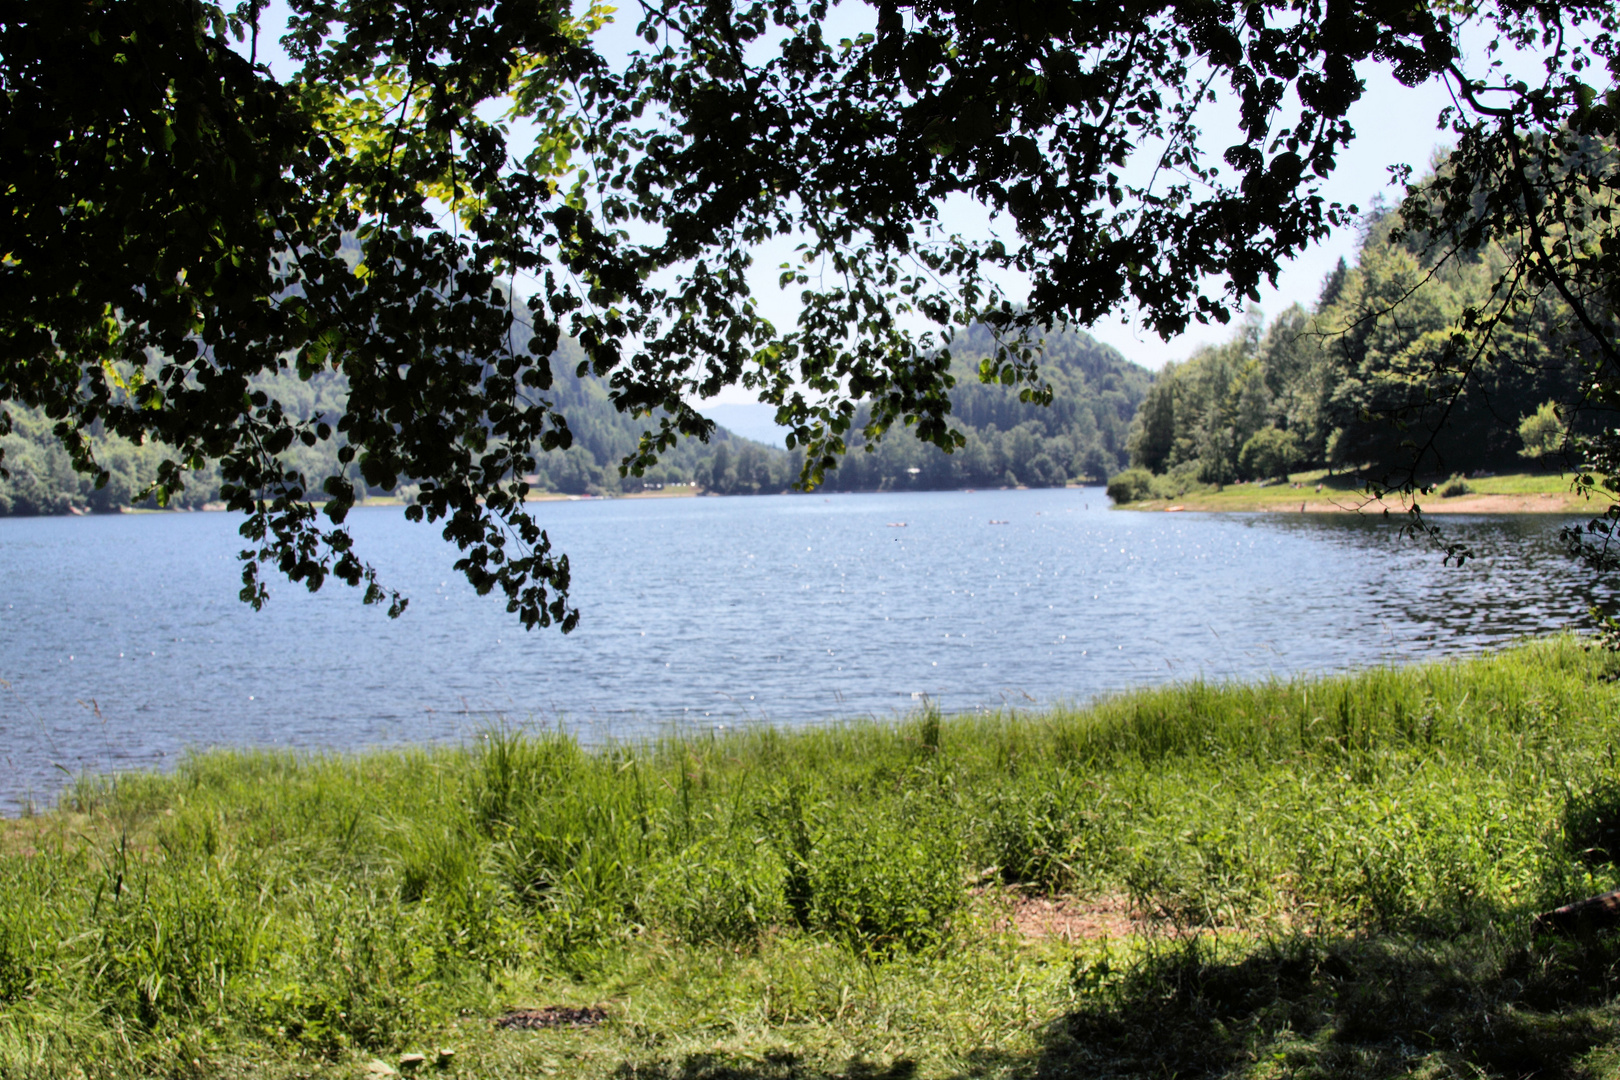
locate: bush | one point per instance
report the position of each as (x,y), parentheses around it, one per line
(1455,486)
(1132,485)
(1178,480)
(1269,454)
(719,892)
(886,882)
(1043,837)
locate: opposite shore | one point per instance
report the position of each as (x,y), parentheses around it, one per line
(1319,493)
(1314,492)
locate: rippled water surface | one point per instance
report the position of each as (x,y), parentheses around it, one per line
(123,643)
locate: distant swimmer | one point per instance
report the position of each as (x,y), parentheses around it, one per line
(897,524)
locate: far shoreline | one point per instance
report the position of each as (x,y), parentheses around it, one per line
(1318,493)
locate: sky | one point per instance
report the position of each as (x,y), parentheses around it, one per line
(1395,125)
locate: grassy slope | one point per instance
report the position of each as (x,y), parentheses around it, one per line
(1336,877)
(1515,493)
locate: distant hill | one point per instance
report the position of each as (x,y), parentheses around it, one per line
(1082,435)
(749,420)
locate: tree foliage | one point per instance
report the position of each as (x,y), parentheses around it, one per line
(1542,432)
(1366,382)
(173,224)
(42,479)
(1270,453)
(1079,434)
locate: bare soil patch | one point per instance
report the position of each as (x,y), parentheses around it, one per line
(553,1016)
(1542,503)
(1069,918)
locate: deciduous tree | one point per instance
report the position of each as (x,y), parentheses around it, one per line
(174,218)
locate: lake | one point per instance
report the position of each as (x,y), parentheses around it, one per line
(122,642)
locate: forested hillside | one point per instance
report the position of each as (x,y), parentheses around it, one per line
(1378,379)
(42,480)
(603,436)
(1082,434)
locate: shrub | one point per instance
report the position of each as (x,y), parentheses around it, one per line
(1132,485)
(1455,486)
(1542,432)
(1177,481)
(719,892)
(1269,454)
(886,882)
(1042,837)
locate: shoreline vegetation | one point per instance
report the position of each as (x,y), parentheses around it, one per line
(1326,877)
(1319,491)
(1007,442)
(1315,492)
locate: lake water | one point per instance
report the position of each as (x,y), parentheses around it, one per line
(122,641)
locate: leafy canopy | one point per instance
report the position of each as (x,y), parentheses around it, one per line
(174,220)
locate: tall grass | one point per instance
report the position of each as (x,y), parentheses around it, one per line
(307,906)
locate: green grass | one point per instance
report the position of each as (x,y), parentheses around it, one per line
(1335,878)
(1550,491)
(1522,484)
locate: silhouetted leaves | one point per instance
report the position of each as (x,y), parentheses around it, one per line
(176,224)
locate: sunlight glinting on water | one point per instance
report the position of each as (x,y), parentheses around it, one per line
(123,643)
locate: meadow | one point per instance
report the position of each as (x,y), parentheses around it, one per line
(1327,877)
(1320,491)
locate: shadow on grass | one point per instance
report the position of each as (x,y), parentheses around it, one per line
(1471,1006)
(1373,1007)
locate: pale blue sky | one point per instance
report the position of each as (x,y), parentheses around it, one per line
(1395,125)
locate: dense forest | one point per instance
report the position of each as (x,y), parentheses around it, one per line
(1381,378)
(1083,434)
(1373,379)
(42,479)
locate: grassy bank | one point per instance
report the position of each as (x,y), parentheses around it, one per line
(1323,877)
(1319,492)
